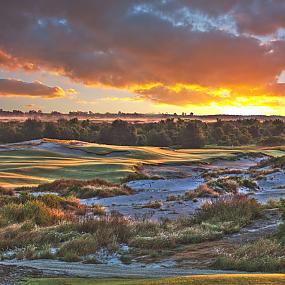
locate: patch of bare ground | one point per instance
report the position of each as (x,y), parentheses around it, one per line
(12,274)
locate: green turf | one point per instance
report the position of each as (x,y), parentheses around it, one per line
(32,166)
(256,279)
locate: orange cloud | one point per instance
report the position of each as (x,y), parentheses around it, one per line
(9,62)
(13,87)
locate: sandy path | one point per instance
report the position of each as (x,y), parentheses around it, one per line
(107,271)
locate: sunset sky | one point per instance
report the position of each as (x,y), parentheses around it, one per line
(201,56)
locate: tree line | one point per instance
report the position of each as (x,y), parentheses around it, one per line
(169,132)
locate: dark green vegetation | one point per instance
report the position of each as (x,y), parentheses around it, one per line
(188,134)
(263,255)
(238,279)
(82,189)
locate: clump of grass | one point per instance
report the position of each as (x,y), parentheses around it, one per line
(214,174)
(172,238)
(57,202)
(153,205)
(275,162)
(108,227)
(264,255)
(83,188)
(231,184)
(6,191)
(224,185)
(98,210)
(202,191)
(101,191)
(33,252)
(139,176)
(262,174)
(80,246)
(36,211)
(172,198)
(126,259)
(237,210)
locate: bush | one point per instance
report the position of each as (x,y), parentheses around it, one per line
(172,238)
(98,210)
(273,141)
(153,205)
(57,202)
(201,192)
(6,191)
(85,188)
(114,225)
(81,246)
(36,211)
(264,255)
(240,210)
(224,185)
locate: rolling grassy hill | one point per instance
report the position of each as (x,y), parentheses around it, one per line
(32,163)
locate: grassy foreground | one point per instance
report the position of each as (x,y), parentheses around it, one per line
(237,279)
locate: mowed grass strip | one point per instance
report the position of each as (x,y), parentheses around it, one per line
(228,279)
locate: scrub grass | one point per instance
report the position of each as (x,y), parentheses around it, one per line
(81,189)
(75,237)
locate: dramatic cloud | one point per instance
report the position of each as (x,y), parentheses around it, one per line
(215,51)
(12,63)
(260,17)
(13,87)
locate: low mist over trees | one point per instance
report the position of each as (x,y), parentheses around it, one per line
(169,132)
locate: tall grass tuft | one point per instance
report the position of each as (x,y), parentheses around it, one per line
(238,209)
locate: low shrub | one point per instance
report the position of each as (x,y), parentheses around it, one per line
(84,188)
(139,176)
(224,185)
(98,210)
(112,225)
(6,191)
(57,202)
(172,238)
(80,246)
(264,255)
(35,211)
(240,210)
(202,191)
(153,205)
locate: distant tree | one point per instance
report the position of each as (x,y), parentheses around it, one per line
(158,138)
(192,135)
(119,133)
(51,130)
(273,141)
(32,129)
